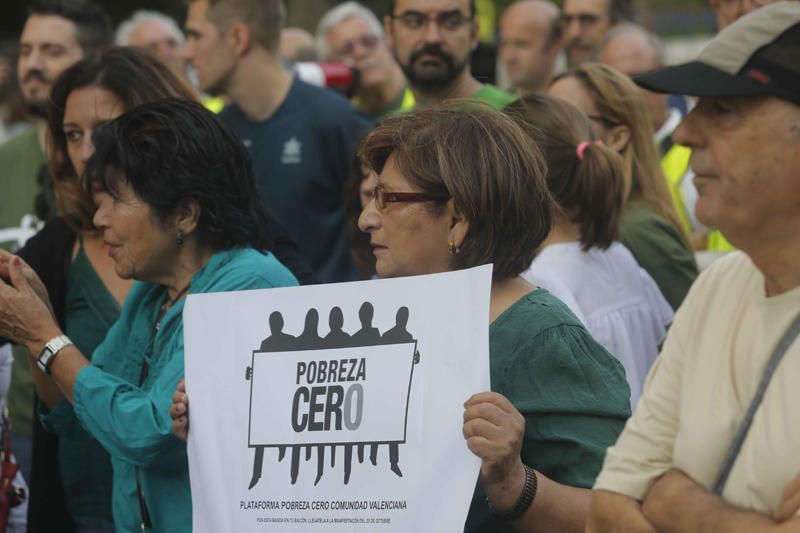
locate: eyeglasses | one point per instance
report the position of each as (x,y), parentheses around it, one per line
(447,21)
(605,121)
(382,197)
(584,19)
(367,41)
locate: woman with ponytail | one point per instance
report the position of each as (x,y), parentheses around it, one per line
(622,305)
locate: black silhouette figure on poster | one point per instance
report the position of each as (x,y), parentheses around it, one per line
(309,339)
(399,333)
(336,338)
(277,341)
(367,335)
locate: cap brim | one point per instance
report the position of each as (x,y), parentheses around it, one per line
(699,79)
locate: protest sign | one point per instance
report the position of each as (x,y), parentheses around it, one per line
(336,407)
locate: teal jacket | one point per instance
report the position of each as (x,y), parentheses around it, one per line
(133,422)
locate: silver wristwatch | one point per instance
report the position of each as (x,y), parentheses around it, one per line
(51,349)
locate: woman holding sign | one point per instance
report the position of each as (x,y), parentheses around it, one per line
(460,188)
(177,209)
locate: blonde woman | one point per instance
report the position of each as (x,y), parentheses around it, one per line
(650,226)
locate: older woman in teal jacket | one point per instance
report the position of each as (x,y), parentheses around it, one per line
(177,207)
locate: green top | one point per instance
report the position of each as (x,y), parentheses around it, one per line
(85,465)
(660,250)
(20,158)
(493,96)
(132,422)
(571,391)
(20,161)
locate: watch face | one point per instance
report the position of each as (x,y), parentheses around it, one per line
(44,359)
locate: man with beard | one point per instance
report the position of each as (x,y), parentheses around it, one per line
(56,35)
(353,34)
(432,41)
(586,23)
(301,138)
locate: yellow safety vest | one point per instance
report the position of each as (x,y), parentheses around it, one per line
(214,104)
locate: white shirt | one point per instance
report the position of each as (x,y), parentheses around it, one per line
(623,308)
(701,386)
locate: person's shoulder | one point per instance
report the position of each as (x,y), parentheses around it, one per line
(536,313)
(638,212)
(25,141)
(323,103)
(641,224)
(729,271)
(50,242)
(245,268)
(231,113)
(495,97)
(543,335)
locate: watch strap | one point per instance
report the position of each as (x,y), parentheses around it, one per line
(49,352)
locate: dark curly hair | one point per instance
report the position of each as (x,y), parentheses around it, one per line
(174,151)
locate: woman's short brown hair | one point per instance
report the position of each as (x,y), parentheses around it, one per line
(487,164)
(132,75)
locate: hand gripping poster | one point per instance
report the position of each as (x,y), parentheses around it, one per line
(336,407)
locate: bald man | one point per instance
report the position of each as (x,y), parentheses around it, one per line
(633,50)
(297,44)
(530,41)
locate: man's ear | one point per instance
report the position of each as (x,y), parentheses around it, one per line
(240,37)
(618,137)
(459,224)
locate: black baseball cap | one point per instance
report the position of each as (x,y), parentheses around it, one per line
(759,54)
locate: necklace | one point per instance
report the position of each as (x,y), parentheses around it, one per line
(168,303)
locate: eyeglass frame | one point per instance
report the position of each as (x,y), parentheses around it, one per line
(381,197)
(439,18)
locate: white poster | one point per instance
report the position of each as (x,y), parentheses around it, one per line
(336,407)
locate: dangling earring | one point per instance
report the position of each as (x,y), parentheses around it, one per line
(453,248)
(179,238)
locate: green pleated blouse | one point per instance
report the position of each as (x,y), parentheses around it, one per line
(571,391)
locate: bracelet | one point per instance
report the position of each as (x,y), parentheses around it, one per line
(525,499)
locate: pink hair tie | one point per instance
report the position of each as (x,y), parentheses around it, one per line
(582,147)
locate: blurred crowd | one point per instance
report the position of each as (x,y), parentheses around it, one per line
(642,219)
